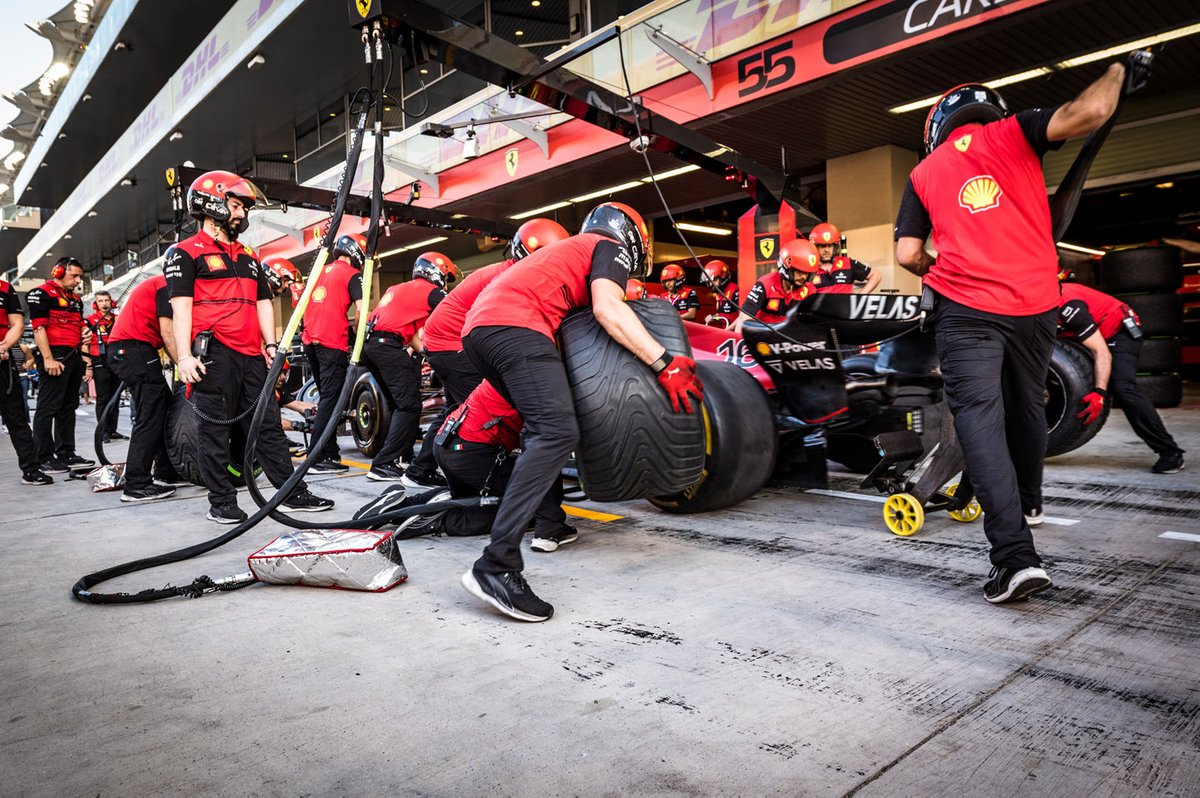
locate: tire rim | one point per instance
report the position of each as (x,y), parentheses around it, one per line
(1055,398)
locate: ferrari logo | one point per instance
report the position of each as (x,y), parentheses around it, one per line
(767,248)
(510,161)
(962,143)
(171,176)
(363,7)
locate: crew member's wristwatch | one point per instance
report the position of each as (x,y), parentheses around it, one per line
(663,361)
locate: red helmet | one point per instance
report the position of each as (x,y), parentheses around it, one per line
(717,273)
(280,271)
(825,233)
(798,255)
(618,221)
(634,289)
(436,268)
(535,234)
(970,102)
(672,277)
(208,194)
(354,247)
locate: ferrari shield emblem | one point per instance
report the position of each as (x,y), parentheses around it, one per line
(766,248)
(510,161)
(171,176)
(363,7)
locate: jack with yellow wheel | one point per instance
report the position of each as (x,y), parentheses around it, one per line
(903,515)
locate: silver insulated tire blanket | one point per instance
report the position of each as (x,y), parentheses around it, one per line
(631,444)
(349,559)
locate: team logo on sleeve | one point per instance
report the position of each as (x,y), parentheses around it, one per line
(214,263)
(980,194)
(963,143)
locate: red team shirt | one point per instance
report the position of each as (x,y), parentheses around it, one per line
(140,313)
(58,310)
(338,286)
(101,327)
(684,301)
(9,303)
(403,308)
(225,282)
(843,273)
(768,301)
(489,418)
(985,187)
(1082,311)
(443,332)
(540,290)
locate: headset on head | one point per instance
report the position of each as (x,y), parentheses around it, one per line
(59,269)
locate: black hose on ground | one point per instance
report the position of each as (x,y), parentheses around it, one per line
(102,423)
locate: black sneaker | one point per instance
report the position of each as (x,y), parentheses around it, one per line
(75,461)
(152,493)
(1006,584)
(36,477)
(328,467)
(1034,517)
(548,542)
(306,502)
(170,480)
(424,523)
(422,480)
(1167,464)
(226,513)
(116,436)
(54,466)
(509,593)
(386,473)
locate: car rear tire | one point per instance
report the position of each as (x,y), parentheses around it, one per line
(372,415)
(632,445)
(1070,378)
(741,442)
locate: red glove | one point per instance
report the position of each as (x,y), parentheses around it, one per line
(679,379)
(1093,405)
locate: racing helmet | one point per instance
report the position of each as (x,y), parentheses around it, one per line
(622,223)
(535,234)
(279,272)
(354,247)
(970,102)
(436,268)
(634,289)
(672,277)
(208,194)
(798,257)
(716,273)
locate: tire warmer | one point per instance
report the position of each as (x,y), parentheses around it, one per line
(287,547)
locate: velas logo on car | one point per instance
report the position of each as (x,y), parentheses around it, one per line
(980,194)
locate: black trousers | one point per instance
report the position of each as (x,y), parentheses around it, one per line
(1139,410)
(994,369)
(106,386)
(526,369)
(231,384)
(136,363)
(329,368)
(459,377)
(15,415)
(399,377)
(468,467)
(57,399)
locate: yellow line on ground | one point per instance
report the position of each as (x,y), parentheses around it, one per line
(592,515)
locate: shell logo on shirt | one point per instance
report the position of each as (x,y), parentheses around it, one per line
(215,263)
(319,294)
(980,194)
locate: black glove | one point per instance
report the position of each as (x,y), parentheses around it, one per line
(1137,71)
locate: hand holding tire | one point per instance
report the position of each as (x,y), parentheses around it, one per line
(679,380)
(1093,406)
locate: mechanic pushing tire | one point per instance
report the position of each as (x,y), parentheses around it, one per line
(631,444)
(183,442)
(740,442)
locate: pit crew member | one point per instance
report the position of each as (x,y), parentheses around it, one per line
(770,299)
(979,188)
(56,314)
(509,336)
(224,334)
(326,338)
(101,323)
(1112,334)
(719,277)
(13,410)
(685,300)
(839,273)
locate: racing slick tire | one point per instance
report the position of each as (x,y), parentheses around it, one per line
(372,415)
(1160,355)
(1161,315)
(632,445)
(741,442)
(183,443)
(1163,390)
(1145,269)
(1070,378)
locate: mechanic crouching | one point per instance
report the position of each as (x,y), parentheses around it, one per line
(221,303)
(1112,334)
(509,335)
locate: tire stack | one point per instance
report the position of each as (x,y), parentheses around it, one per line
(1148,279)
